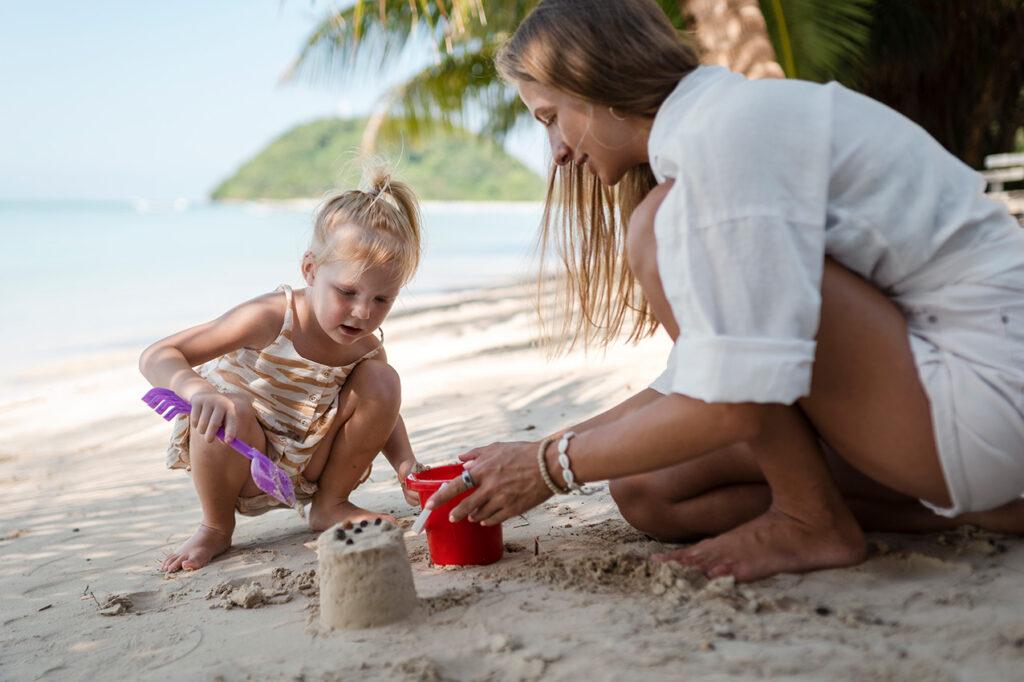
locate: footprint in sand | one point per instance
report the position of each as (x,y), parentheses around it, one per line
(132,602)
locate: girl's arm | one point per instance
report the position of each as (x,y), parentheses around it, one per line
(168,362)
(398,450)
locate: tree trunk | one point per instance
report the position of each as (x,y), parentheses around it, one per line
(955,68)
(733,34)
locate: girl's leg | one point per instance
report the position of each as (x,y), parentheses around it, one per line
(220,476)
(366,417)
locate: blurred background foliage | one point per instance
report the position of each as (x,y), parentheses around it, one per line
(956,67)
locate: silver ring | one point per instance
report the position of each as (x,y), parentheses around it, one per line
(467,478)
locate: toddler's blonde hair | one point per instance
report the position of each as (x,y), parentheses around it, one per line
(388,216)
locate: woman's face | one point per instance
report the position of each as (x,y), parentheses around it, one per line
(579,132)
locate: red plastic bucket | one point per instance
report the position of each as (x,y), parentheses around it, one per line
(454,544)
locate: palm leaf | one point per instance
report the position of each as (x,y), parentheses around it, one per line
(461,83)
(350,39)
(819,40)
(447,96)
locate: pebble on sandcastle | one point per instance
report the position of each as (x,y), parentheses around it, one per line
(365,577)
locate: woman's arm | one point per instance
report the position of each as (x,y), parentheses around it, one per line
(626,407)
(668,430)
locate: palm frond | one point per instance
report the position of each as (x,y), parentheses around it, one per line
(819,40)
(353,38)
(446,96)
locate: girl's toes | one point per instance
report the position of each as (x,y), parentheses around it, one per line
(173,564)
(194,561)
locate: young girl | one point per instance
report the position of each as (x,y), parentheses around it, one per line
(775,227)
(300,375)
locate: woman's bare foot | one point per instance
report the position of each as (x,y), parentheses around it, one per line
(774,543)
(199,550)
(324,515)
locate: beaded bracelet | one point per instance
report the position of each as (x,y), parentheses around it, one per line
(544,467)
(563,459)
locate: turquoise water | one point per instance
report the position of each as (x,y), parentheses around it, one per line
(85,277)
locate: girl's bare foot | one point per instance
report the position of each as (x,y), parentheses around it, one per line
(774,543)
(199,550)
(323,515)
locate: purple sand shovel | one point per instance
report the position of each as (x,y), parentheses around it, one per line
(268,477)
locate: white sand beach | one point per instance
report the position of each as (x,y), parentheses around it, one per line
(87,510)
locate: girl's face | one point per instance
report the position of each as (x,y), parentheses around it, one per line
(349,300)
(579,132)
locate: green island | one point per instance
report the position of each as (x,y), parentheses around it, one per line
(317,157)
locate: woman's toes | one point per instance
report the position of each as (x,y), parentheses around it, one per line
(719,570)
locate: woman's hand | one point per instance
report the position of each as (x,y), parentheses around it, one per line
(211,410)
(507,479)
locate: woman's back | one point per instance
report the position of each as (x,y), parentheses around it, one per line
(896,207)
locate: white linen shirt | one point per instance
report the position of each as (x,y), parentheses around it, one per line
(772,175)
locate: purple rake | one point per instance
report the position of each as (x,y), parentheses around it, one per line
(269,477)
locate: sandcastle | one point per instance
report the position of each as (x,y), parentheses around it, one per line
(365,578)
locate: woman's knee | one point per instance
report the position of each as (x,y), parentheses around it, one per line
(641,246)
(640,504)
(642,257)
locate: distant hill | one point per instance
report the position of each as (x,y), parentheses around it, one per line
(316,157)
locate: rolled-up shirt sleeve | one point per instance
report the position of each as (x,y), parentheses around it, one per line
(741,234)
(746,293)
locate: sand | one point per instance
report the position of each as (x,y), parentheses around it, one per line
(87,510)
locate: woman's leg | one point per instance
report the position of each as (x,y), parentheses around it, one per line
(220,476)
(696,499)
(367,414)
(866,400)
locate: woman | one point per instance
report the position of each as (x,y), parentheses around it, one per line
(847,306)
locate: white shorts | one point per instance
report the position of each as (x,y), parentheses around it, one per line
(968,342)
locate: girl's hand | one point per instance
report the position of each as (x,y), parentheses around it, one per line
(409,466)
(507,479)
(211,410)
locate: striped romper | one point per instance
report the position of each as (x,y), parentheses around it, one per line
(295,401)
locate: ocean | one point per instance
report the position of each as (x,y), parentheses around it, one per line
(82,278)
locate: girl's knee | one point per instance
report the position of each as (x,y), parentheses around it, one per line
(249,431)
(376,381)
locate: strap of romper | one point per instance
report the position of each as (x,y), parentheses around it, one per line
(288,306)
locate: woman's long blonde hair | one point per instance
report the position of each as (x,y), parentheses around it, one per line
(623,54)
(389,215)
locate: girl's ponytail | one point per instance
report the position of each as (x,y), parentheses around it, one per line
(388,217)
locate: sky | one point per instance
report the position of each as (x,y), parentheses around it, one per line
(113,99)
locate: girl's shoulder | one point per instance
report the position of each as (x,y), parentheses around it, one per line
(369,347)
(267,314)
